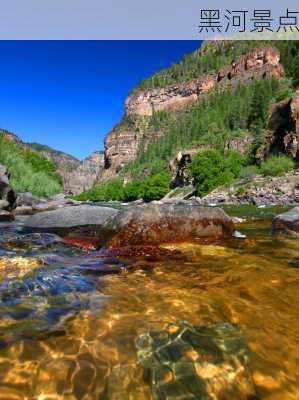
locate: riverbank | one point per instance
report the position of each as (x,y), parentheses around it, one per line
(258,190)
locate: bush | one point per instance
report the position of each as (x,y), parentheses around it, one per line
(240,191)
(234,162)
(133,191)
(156,186)
(151,188)
(111,190)
(248,172)
(277,165)
(211,169)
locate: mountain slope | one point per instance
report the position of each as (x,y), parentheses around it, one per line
(153,111)
(30,171)
(76,175)
(48,171)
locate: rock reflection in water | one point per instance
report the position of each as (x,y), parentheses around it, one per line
(91,353)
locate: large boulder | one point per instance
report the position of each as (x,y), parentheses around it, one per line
(6,191)
(72,220)
(155,223)
(288,221)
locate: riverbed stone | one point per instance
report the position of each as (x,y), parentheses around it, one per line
(5,216)
(23,210)
(72,220)
(4,204)
(155,223)
(288,221)
(28,199)
(196,362)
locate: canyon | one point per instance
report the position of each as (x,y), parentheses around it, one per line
(76,175)
(123,143)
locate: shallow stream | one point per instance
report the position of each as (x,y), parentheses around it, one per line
(69,319)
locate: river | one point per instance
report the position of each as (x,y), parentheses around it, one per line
(69,332)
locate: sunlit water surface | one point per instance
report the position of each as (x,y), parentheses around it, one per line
(88,350)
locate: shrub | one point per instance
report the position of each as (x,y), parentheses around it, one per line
(234,162)
(133,191)
(240,191)
(111,190)
(248,172)
(277,165)
(151,188)
(156,186)
(207,171)
(211,169)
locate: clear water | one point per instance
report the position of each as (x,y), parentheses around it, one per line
(68,332)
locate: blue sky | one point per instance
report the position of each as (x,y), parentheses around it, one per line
(69,94)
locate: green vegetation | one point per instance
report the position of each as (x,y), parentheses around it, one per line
(30,172)
(215,122)
(156,186)
(217,119)
(212,56)
(284,94)
(43,147)
(210,169)
(277,165)
(207,59)
(240,191)
(153,187)
(111,190)
(248,172)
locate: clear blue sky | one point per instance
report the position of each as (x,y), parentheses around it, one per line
(69,94)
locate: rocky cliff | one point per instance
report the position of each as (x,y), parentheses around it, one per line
(282,129)
(85,175)
(282,136)
(123,143)
(77,176)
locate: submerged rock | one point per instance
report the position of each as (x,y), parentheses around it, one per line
(288,221)
(196,362)
(155,223)
(72,220)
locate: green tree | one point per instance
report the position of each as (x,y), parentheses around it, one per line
(156,186)
(133,190)
(211,168)
(208,171)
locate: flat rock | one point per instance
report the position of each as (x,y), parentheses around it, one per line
(82,219)
(155,223)
(288,221)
